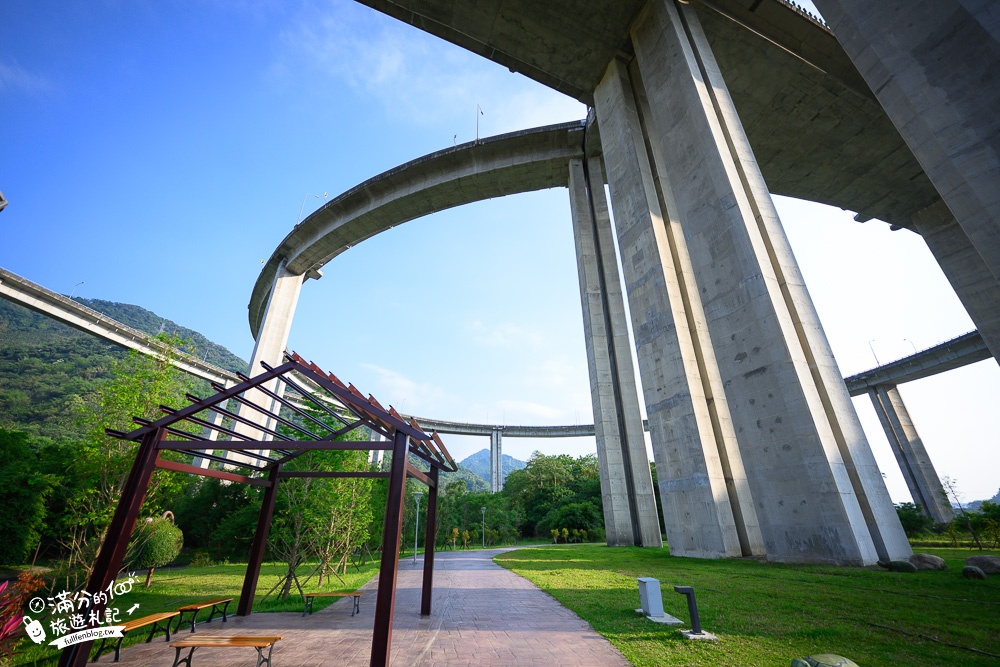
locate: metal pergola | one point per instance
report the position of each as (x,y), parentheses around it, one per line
(255,445)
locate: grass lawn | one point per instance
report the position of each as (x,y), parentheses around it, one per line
(175,587)
(767,613)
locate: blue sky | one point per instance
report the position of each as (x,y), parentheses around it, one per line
(159,151)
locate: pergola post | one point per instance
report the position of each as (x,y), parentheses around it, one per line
(386,601)
(109,560)
(259,542)
(430,536)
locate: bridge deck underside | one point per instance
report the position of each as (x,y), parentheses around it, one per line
(815,127)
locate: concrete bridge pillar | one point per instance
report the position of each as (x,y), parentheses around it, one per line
(377,456)
(211,434)
(706,504)
(921,478)
(758,447)
(933,66)
(976,287)
(496,459)
(626,483)
(270,348)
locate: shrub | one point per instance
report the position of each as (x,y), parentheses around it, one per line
(201,559)
(154,544)
(914,521)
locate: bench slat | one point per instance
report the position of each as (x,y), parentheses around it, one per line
(146,620)
(202,605)
(209,641)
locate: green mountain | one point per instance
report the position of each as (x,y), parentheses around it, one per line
(473,482)
(151,323)
(976,504)
(479,464)
(46,366)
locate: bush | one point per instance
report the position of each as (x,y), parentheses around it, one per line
(914,521)
(154,544)
(201,559)
(584,515)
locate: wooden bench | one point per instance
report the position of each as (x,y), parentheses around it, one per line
(309,597)
(258,642)
(153,619)
(193,609)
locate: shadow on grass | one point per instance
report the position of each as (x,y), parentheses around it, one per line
(768,613)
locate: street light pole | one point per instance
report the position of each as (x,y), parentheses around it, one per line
(484,526)
(416,525)
(303,206)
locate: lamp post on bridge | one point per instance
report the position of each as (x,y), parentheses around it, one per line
(416,524)
(303,206)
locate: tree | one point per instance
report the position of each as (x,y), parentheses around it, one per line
(23,490)
(951,486)
(323,517)
(535,494)
(456,488)
(289,529)
(913,519)
(101,463)
(987,521)
(344,515)
(155,543)
(218,517)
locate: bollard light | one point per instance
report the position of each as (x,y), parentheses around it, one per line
(688,591)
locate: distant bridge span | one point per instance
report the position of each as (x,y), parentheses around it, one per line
(41,300)
(961,351)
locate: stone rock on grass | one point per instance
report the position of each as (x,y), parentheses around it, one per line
(988,564)
(823,660)
(973,572)
(898,565)
(928,562)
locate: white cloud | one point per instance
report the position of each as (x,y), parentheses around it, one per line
(14,78)
(414,75)
(503,335)
(526,412)
(406,395)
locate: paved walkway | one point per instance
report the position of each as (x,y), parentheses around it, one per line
(483,615)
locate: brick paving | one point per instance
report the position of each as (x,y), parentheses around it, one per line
(483,615)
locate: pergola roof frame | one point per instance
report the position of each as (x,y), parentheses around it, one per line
(266,470)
